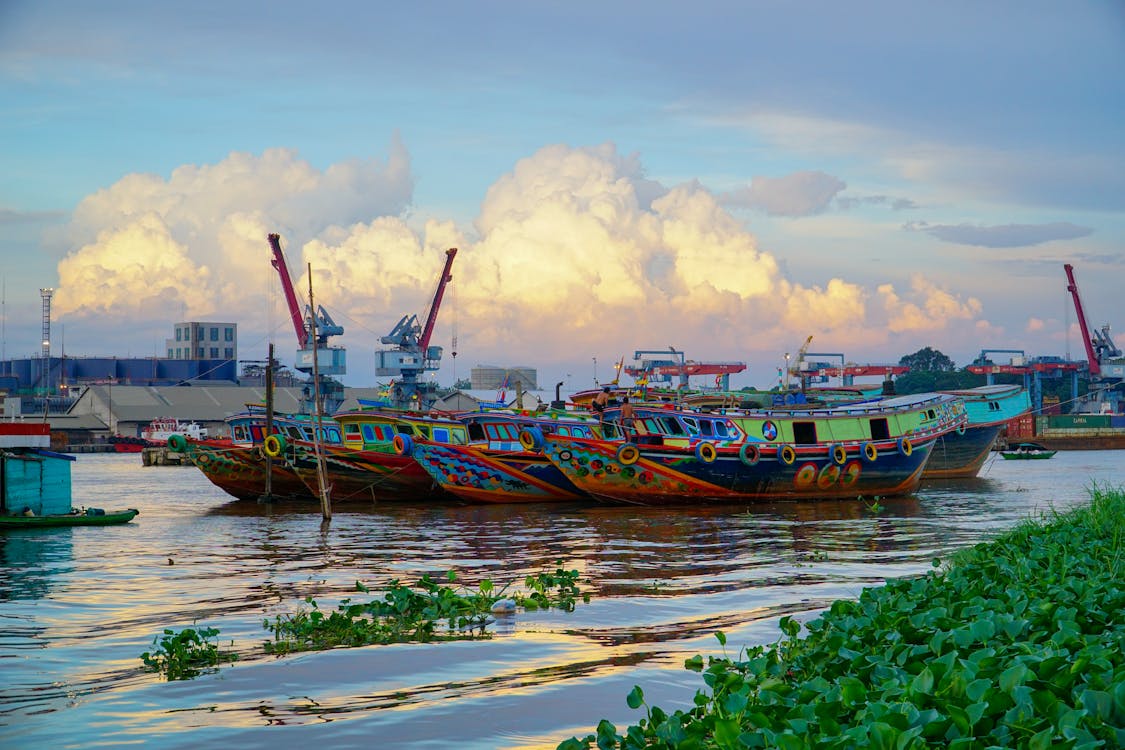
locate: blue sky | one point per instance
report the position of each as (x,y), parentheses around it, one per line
(727,178)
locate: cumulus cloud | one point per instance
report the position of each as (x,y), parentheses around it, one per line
(1006,235)
(930,309)
(797,194)
(199,236)
(574,251)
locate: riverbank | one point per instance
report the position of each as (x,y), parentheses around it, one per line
(1016,643)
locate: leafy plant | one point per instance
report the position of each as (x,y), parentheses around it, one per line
(182,655)
(427,611)
(1016,644)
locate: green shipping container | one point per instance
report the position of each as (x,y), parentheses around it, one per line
(1079,422)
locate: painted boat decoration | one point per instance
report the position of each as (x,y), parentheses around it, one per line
(496,467)
(240,464)
(1027,452)
(961,453)
(674,456)
(35,489)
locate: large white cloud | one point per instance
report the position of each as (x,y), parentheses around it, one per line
(574,251)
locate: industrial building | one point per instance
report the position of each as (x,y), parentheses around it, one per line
(203,340)
(490,377)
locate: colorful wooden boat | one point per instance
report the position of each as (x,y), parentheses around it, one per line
(239,465)
(674,456)
(961,453)
(1027,452)
(496,467)
(374,460)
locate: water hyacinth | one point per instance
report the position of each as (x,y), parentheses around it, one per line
(1017,643)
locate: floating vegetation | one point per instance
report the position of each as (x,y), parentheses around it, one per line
(183,655)
(427,611)
(1016,644)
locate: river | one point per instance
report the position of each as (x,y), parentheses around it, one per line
(78,606)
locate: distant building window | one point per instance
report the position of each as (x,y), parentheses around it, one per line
(179,334)
(228,353)
(228,334)
(179,353)
(214,334)
(169,354)
(200,355)
(214,352)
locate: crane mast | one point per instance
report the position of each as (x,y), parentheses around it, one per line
(412,355)
(1091,355)
(314,356)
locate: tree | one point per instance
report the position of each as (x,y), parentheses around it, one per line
(928,360)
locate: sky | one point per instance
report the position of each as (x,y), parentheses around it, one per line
(725,178)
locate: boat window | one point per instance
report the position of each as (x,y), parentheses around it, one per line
(692,424)
(476,431)
(492,433)
(721,430)
(405,429)
(930,414)
(609,431)
(441,434)
(804,433)
(351,431)
(459,436)
(294,432)
(672,426)
(563,430)
(239,432)
(706,428)
(879,429)
(369,434)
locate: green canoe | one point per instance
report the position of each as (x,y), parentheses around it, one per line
(68,519)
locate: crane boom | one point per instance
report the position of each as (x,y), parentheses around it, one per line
(278,262)
(431,319)
(1091,355)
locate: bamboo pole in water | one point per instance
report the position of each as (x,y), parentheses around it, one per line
(325,501)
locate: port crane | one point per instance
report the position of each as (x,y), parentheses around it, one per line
(1031,369)
(662,365)
(1106,364)
(330,360)
(412,355)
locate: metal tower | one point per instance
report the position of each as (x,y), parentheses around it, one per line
(46,294)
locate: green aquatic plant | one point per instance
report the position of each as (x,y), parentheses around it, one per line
(1015,643)
(183,655)
(426,611)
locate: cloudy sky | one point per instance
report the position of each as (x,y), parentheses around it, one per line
(724,177)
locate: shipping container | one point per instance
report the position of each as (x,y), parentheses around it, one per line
(1078,421)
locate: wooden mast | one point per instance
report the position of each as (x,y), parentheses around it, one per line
(318,433)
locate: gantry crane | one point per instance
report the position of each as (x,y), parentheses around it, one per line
(412,354)
(330,360)
(671,363)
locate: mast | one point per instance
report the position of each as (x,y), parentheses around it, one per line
(267,495)
(318,432)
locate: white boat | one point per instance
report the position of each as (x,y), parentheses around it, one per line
(159,430)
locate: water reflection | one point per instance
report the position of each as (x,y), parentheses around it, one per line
(77,606)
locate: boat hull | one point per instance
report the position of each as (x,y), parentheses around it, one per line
(486,476)
(241,471)
(957,456)
(354,474)
(68,519)
(676,476)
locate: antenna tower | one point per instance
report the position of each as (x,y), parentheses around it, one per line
(46,294)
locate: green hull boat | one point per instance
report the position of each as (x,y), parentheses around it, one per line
(1027,451)
(68,519)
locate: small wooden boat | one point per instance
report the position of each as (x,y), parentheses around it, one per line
(89,517)
(1027,451)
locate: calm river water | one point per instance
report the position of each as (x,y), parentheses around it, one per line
(78,606)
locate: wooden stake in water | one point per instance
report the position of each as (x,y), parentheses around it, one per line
(325,490)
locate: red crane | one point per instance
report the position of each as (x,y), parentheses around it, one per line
(431,319)
(1091,355)
(278,262)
